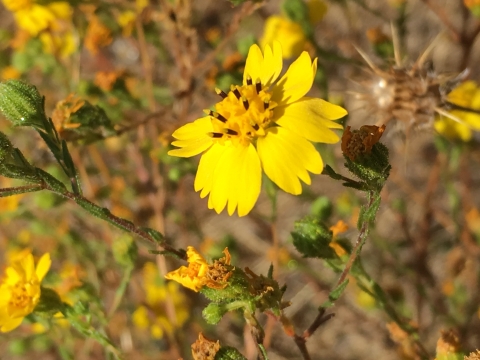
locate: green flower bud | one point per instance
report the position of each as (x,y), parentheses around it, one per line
(229,353)
(312,238)
(213,313)
(22,104)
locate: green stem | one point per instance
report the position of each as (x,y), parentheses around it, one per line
(120,291)
(105,214)
(19,190)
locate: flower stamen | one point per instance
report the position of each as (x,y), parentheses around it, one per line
(249,81)
(222,94)
(258,87)
(236,92)
(230,132)
(245,102)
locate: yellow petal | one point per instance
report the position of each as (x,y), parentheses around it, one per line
(286,157)
(10,324)
(296,82)
(28,266)
(206,168)
(308,118)
(193,138)
(264,69)
(288,33)
(237,180)
(43,266)
(194,129)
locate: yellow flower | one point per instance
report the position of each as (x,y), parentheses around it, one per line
(20,290)
(466,95)
(193,276)
(36,18)
(61,44)
(260,124)
(9,72)
(97,36)
(153,314)
(15,5)
(289,33)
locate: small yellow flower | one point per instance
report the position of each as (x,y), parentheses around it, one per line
(37,18)
(20,290)
(9,72)
(337,229)
(60,44)
(260,124)
(153,314)
(193,276)
(466,95)
(288,33)
(199,273)
(97,36)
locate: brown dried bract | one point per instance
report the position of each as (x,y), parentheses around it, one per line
(106,79)
(448,343)
(204,349)
(63,110)
(473,356)
(219,272)
(360,142)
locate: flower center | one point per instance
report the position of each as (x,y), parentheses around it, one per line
(243,114)
(22,301)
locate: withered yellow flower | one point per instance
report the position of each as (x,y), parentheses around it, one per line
(20,290)
(359,142)
(193,276)
(199,273)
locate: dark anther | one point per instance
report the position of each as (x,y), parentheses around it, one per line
(266,104)
(220,117)
(256,127)
(258,87)
(216,135)
(231,132)
(221,93)
(249,81)
(246,105)
(237,93)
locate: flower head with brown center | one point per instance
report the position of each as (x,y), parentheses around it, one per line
(262,123)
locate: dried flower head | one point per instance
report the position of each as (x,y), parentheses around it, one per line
(199,273)
(410,94)
(473,356)
(448,343)
(204,349)
(63,110)
(360,142)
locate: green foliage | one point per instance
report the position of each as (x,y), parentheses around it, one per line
(312,238)
(229,353)
(21,103)
(335,294)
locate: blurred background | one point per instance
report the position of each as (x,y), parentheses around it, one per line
(120,76)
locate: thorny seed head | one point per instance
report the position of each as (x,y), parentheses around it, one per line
(409,94)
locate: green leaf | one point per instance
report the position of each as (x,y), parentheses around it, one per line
(229,353)
(312,238)
(21,103)
(156,235)
(335,294)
